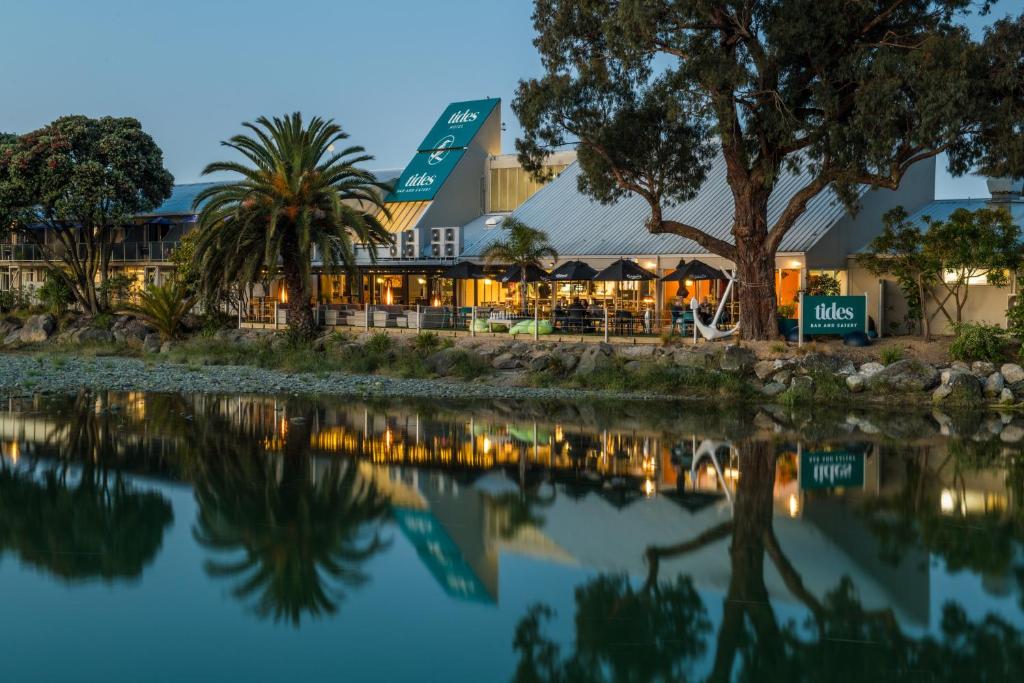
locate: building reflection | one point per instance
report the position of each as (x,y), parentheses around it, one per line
(467,486)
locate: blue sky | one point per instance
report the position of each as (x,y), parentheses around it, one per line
(193,70)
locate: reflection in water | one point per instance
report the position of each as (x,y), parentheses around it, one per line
(734,545)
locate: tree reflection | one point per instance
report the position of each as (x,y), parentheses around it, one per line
(291,534)
(839,640)
(75,517)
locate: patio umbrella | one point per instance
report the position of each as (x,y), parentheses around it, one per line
(465,270)
(533,274)
(694,270)
(624,271)
(573,271)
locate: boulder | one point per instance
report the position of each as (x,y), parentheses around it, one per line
(1012,373)
(592,360)
(92,335)
(803,382)
(441,362)
(151,344)
(1011,433)
(539,361)
(737,359)
(8,325)
(703,357)
(818,363)
(130,331)
(38,328)
(871,369)
(633,366)
(764,369)
(637,352)
(962,386)
(855,382)
(783,376)
(1006,396)
(773,389)
(994,385)
(960,365)
(848,368)
(506,361)
(982,368)
(567,359)
(167,346)
(903,376)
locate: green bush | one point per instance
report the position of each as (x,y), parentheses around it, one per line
(977,341)
(164,307)
(12,299)
(1015,318)
(891,354)
(55,293)
(426,342)
(467,365)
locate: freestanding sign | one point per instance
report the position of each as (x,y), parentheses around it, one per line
(833,314)
(831,469)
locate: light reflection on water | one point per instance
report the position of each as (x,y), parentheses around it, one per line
(242,537)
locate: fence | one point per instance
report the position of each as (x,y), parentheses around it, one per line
(480,320)
(122,251)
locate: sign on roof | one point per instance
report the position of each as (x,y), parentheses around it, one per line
(457,125)
(831,469)
(424,175)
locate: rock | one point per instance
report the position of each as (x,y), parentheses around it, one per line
(506,361)
(1011,433)
(773,389)
(13,338)
(737,359)
(151,344)
(783,376)
(8,325)
(994,385)
(592,360)
(764,369)
(702,357)
(803,382)
(813,363)
(941,393)
(567,360)
(633,366)
(1006,396)
(871,369)
(904,375)
(637,352)
(38,328)
(539,361)
(441,362)
(855,382)
(1012,373)
(130,331)
(847,369)
(168,346)
(963,386)
(982,368)
(92,335)
(1017,388)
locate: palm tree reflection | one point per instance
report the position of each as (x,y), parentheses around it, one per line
(292,534)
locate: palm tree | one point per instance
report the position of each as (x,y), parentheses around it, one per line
(524,247)
(296,194)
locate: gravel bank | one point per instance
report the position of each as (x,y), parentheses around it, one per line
(22,373)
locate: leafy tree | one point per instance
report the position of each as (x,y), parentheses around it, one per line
(854,93)
(164,307)
(296,194)
(68,187)
(935,263)
(525,247)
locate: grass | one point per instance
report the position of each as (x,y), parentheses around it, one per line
(651,378)
(891,354)
(828,388)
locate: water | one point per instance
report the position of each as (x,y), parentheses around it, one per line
(169,538)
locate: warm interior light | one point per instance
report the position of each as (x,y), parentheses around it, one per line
(487,445)
(650,264)
(648,488)
(946,503)
(388,297)
(284,295)
(380,280)
(689,283)
(487,280)
(794,505)
(421,280)
(795,264)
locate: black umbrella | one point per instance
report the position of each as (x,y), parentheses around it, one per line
(465,271)
(533,274)
(694,270)
(624,271)
(573,271)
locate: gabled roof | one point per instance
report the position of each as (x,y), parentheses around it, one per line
(580,226)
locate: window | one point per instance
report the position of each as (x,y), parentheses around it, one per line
(951,277)
(510,187)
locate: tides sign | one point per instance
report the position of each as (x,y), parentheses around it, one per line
(831,469)
(424,175)
(457,125)
(833,314)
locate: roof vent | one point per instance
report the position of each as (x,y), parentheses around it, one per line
(493,222)
(1004,189)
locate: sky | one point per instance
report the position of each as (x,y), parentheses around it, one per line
(193,70)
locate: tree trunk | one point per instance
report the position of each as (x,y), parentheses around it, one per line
(523,289)
(926,326)
(755,271)
(300,313)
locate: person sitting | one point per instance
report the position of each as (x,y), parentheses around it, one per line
(596,315)
(577,313)
(677,309)
(705,311)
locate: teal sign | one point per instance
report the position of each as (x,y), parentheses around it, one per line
(834,314)
(831,469)
(424,175)
(457,125)
(442,557)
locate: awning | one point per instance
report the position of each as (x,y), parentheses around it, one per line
(533,274)
(624,270)
(465,271)
(573,271)
(694,270)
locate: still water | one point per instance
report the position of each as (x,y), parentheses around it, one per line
(174,538)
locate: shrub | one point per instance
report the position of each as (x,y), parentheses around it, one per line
(55,294)
(379,343)
(786,310)
(778,347)
(115,290)
(891,354)
(467,365)
(1015,318)
(977,341)
(426,342)
(12,299)
(164,307)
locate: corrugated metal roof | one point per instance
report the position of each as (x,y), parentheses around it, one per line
(942,209)
(580,226)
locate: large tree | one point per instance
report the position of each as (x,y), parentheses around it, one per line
(69,187)
(295,194)
(852,93)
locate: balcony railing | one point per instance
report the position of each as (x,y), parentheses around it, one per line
(124,251)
